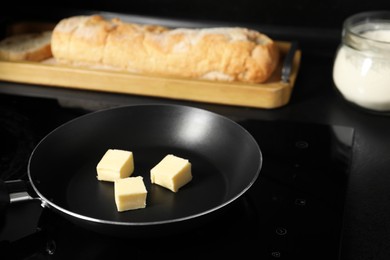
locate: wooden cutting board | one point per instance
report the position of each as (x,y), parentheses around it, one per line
(272,94)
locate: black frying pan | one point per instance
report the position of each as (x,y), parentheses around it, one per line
(226,161)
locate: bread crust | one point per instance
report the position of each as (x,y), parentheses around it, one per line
(227,54)
(26,47)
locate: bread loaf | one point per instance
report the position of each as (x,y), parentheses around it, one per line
(228,54)
(26,47)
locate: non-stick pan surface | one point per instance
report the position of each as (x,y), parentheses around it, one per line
(226,161)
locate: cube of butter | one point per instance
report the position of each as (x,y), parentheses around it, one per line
(115,164)
(130,193)
(171,172)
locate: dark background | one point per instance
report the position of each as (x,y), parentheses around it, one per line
(300,13)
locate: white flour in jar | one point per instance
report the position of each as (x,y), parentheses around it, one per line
(364,78)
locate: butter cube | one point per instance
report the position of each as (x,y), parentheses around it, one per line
(171,172)
(115,164)
(130,193)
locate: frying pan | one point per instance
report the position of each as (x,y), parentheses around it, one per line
(226,160)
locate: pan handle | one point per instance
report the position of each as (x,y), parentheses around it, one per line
(13,191)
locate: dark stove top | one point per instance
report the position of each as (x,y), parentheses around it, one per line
(24,122)
(294,210)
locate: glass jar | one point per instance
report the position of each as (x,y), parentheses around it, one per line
(361,70)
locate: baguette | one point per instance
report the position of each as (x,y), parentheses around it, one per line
(26,47)
(226,53)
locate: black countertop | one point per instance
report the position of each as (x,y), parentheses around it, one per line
(366,231)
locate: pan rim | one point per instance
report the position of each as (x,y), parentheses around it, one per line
(49,204)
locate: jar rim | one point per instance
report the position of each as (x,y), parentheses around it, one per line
(367,20)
